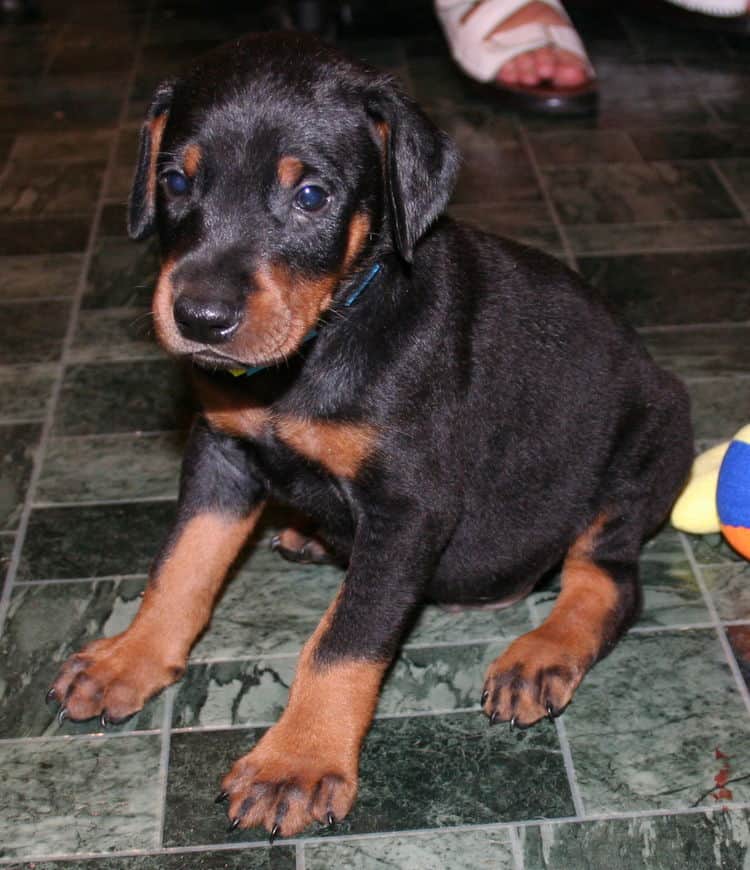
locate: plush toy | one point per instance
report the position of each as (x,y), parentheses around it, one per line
(717,495)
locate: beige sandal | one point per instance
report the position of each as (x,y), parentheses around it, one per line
(470,29)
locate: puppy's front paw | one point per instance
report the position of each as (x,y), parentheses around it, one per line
(288,781)
(533,679)
(111,678)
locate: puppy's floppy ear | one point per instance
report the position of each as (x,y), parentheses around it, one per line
(421,164)
(142,203)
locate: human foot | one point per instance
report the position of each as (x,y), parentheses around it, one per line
(550,62)
(528,49)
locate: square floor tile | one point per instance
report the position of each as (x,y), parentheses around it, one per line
(421,772)
(95,541)
(145,396)
(710,839)
(41,275)
(681,235)
(80,796)
(659,289)
(638,192)
(718,405)
(702,350)
(25,391)
(42,235)
(32,332)
(729,588)
(457,850)
(122,274)
(705,142)
(111,467)
(249,858)
(115,335)
(645,724)
(84,146)
(17,449)
(42,189)
(737,174)
(46,624)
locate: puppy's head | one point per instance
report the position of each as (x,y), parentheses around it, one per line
(273,174)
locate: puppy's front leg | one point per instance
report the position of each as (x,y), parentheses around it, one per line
(220,501)
(305,767)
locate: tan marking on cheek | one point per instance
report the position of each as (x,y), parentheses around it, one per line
(191,160)
(231,411)
(383,131)
(156,126)
(161,306)
(359,227)
(341,448)
(282,308)
(289,171)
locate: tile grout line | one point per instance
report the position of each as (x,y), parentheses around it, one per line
(76,302)
(105,502)
(515,848)
(379,835)
(719,628)
(713,115)
(166,743)
(570,257)
(562,739)
(739,204)
(299,857)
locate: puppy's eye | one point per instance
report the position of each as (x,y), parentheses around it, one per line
(311,198)
(176,183)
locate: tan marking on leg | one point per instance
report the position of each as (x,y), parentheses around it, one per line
(118,675)
(289,171)
(191,159)
(545,666)
(341,448)
(307,764)
(156,127)
(231,410)
(297,546)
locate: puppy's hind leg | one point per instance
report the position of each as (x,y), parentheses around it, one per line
(600,598)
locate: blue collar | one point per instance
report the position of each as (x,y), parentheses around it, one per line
(350,300)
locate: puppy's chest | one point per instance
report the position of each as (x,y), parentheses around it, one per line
(336,446)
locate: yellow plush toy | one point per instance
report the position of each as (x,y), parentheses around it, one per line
(717,495)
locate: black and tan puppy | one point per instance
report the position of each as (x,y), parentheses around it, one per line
(457,414)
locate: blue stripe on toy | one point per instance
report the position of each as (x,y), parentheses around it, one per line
(733,492)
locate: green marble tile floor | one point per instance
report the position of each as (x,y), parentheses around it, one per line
(649,767)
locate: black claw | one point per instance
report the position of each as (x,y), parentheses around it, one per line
(234,824)
(512,723)
(221,797)
(274,833)
(62,715)
(50,696)
(494,718)
(485,695)
(104,721)
(275,542)
(331,820)
(550,713)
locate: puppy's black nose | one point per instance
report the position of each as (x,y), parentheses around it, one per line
(208,321)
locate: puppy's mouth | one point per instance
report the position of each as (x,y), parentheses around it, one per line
(211,359)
